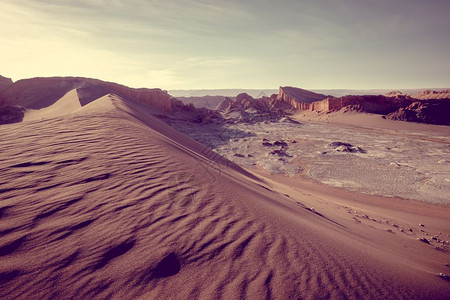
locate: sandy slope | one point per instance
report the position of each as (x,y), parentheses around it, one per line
(111,202)
(67,104)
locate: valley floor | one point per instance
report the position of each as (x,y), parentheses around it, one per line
(358,152)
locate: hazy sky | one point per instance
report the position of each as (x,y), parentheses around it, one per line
(187,44)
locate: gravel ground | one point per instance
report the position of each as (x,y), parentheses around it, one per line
(387,163)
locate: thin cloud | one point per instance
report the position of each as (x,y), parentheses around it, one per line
(218,44)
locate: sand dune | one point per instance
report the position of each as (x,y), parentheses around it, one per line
(110,202)
(66,105)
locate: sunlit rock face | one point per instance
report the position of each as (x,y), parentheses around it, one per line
(297,98)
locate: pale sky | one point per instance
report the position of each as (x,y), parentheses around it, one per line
(187,44)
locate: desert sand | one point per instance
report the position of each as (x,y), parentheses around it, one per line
(110,202)
(66,105)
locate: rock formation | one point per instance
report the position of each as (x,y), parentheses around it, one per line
(435,111)
(367,103)
(296,98)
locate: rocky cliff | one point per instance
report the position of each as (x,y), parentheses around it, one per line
(426,106)
(296,98)
(366,103)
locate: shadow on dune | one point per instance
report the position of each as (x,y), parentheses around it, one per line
(146,116)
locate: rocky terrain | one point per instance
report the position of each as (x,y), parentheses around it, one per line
(429,107)
(391,162)
(245,108)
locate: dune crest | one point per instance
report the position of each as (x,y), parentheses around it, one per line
(66,105)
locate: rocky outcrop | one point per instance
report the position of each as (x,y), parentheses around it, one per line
(346,148)
(426,111)
(4,82)
(296,98)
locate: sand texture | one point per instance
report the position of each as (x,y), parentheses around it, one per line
(110,202)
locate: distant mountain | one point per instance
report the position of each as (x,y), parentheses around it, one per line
(221,92)
(432,94)
(209,102)
(267,92)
